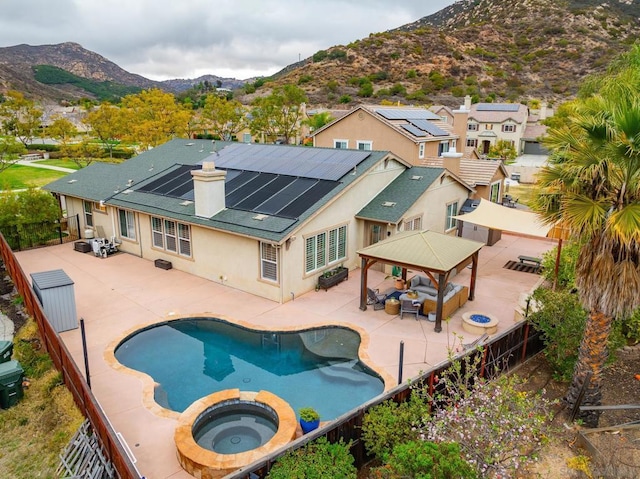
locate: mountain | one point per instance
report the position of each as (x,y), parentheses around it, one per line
(494,49)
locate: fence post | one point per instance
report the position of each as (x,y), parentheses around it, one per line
(401,360)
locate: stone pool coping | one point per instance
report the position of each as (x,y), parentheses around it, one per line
(201,462)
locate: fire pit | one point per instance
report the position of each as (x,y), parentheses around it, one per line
(479,323)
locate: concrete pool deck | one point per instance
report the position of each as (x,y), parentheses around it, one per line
(123,292)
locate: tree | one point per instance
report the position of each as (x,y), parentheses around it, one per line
(63,131)
(503,150)
(317,121)
(10,151)
(153,117)
(106,123)
(20,117)
(592,184)
(279,114)
(225,118)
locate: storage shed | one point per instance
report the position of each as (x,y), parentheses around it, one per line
(54,289)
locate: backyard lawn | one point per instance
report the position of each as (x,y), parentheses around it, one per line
(63,163)
(21,177)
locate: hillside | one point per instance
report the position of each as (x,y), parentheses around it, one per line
(494,50)
(17,70)
(500,50)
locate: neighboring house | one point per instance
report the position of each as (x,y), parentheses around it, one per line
(486,177)
(487,123)
(408,132)
(418,136)
(266,219)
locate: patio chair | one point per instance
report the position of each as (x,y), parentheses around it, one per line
(376,299)
(410,307)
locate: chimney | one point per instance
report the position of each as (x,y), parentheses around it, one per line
(467,102)
(208,189)
(543,111)
(451,161)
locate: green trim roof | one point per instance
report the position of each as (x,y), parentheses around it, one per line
(393,202)
(117,185)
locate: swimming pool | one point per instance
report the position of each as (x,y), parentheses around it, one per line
(192,358)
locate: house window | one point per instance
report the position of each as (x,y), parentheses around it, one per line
(413,224)
(88,213)
(472,142)
(171,236)
(365,145)
(421,150)
(101,207)
(341,144)
(452,210)
(268,262)
(509,128)
(246,137)
(488,126)
(443,147)
(472,127)
(444,118)
(127,225)
(325,248)
(494,192)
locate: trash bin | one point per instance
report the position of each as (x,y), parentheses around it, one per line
(6,350)
(11,377)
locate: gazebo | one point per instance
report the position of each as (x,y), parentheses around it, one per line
(435,254)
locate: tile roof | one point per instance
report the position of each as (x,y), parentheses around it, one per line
(533,132)
(474,172)
(392,203)
(119,185)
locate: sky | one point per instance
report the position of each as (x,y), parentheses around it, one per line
(166,39)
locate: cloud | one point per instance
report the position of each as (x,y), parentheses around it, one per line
(167,39)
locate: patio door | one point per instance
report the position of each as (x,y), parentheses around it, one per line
(376,232)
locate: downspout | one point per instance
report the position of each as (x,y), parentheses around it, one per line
(280,270)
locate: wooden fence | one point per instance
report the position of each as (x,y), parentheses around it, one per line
(73,378)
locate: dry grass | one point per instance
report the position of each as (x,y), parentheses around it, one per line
(523,192)
(34,432)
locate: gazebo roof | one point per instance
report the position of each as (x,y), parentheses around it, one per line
(425,250)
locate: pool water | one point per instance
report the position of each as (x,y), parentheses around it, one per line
(192,358)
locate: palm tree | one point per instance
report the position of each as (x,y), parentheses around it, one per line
(592,184)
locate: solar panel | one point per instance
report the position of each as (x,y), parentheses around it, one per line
(269,190)
(168,181)
(309,197)
(429,128)
(286,196)
(414,130)
(318,163)
(406,114)
(497,107)
(246,190)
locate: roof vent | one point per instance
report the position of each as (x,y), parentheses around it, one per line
(260,217)
(186,203)
(416,177)
(72,181)
(188,144)
(388,203)
(127,191)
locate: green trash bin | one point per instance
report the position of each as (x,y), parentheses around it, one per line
(11,377)
(6,350)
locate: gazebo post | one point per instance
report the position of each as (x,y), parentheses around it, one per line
(474,273)
(441,283)
(363,284)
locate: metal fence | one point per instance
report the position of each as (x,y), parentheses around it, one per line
(500,355)
(34,235)
(73,378)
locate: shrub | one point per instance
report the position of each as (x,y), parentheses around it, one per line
(566,266)
(319,56)
(345,99)
(631,327)
(318,459)
(499,427)
(429,460)
(411,74)
(561,320)
(389,424)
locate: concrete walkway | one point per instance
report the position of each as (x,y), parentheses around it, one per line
(35,164)
(122,293)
